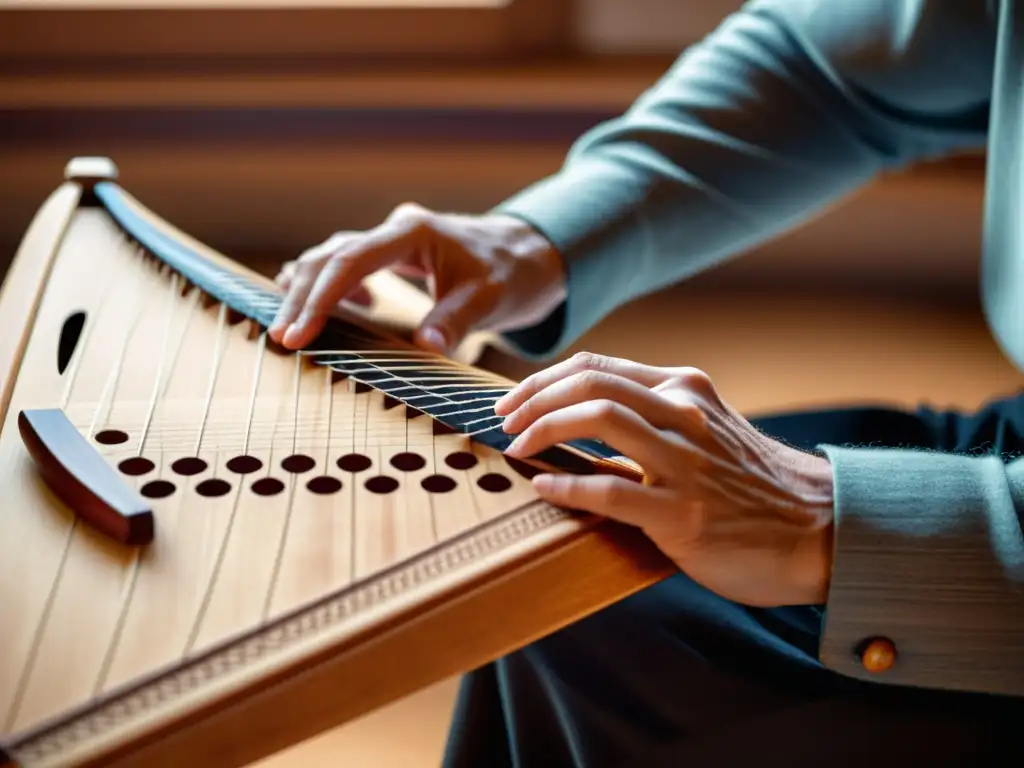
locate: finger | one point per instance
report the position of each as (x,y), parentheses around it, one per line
(302,281)
(605,495)
(661,412)
(648,375)
(345,271)
(609,422)
(456,314)
(284,276)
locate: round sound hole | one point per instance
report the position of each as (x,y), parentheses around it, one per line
(244,465)
(492,482)
(297,464)
(267,486)
(408,462)
(111,437)
(324,485)
(354,462)
(438,484)
(136,466)
(461,460)
(157,489)
(188,466)
(213,487)
(381,484)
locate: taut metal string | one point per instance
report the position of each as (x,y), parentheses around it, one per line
(133,577)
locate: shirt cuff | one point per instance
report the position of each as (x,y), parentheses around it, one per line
(928,553)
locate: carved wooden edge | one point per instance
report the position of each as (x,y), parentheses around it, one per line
(25,281)
(94,727)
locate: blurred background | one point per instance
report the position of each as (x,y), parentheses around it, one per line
(261,127)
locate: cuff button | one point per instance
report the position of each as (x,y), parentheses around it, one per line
(877,654)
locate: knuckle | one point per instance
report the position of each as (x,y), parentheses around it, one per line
(588,361)
(607,410)
(610,493)
(412,216)
(590,383)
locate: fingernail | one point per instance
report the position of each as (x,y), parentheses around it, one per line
(509,423)
(434,338)
(502,403)
(515,447)
(291,336)
(544,483)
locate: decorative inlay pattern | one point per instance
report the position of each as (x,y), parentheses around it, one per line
(120,707)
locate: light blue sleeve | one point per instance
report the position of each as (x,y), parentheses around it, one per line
(786,108)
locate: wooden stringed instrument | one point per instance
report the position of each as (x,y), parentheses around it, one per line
(212,549)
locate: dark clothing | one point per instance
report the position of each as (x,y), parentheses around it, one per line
(677,676)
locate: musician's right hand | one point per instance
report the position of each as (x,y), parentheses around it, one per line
(491,272)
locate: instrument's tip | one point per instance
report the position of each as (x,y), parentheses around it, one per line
(88,171)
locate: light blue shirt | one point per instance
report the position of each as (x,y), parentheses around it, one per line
(784,110)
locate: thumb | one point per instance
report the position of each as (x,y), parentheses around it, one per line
(457,313)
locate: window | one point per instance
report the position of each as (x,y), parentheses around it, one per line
(115,31)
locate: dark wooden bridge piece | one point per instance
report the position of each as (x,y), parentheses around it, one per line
(76,472)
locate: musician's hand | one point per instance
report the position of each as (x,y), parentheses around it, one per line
(489,272)
(746,516)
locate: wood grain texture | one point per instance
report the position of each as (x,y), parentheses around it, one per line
(266,585)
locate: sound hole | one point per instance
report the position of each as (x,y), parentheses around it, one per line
(354,462)
(157,489)
(408,462)
(111,437)
(381,484)
(69,336)
(136,466)
(267,486)
(189,466)
(438,484)
(460,460)
(297,464)
(213,487)
(244,465)
(324,485)
(494,483)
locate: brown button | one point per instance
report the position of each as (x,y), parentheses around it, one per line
(878,655)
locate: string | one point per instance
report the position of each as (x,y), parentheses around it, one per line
(204,604)
(279,556)
(133,576)
(51,597)
(218,352)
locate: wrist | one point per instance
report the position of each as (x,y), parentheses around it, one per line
(814,554)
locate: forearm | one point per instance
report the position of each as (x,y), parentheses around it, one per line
(755,130)
(928,552)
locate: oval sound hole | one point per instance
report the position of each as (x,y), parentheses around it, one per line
(324,485)
(297,464)
(408,462)
(213,487)
(381,484)
(111,437)
(136,466)
(70,334)
(157,489)
(492,482)
(267,486)
(244,465)
(438,484)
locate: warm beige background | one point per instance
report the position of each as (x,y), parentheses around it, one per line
(765,351)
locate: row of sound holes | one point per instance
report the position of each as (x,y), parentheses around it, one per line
(297,464)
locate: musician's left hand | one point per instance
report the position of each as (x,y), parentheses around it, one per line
(746,516)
